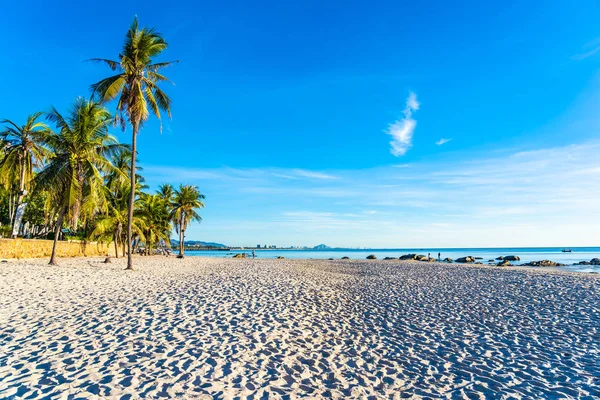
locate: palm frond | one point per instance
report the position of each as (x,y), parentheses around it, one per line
(111,64)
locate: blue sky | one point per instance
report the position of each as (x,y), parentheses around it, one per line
(322,122)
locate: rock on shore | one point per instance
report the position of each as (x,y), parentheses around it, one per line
(544,263)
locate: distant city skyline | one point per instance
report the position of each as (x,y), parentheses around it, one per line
(376,126)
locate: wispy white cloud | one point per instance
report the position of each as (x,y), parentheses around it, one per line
(442,141)
(590,49)
(236,174)
(312,174)
(402,130)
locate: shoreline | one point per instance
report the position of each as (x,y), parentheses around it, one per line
(138,258)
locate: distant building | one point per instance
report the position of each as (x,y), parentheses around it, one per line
(258,246)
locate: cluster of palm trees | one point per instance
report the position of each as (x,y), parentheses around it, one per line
(80,178)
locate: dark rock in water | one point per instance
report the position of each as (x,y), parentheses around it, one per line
(345,258)
(478,258)
(512,258)
(240,255)
(408,257)
(330,259)
(372,257)
(448,260)
(593,261)
(500,258)
(544,263)
(491,261)
(504,263)
(280,257)
(467,259)
(478,263)
(390,258)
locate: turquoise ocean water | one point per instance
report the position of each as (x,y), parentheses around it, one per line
(525,253)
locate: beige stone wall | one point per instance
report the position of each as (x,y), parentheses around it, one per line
(34,248)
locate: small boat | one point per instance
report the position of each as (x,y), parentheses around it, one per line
(567,250)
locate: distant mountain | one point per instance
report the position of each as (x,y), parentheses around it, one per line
(321,247)
(200,243)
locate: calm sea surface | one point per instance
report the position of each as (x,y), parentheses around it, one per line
(525,253)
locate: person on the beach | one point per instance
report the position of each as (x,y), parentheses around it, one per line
(439,256)
(253,254)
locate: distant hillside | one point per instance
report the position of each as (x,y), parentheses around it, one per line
(321,247)
(175,242)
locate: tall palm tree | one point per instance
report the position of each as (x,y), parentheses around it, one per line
(186,201)
(73,177)
(23,152)
(136,87)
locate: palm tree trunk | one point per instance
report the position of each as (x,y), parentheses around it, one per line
(180,237)
(56,233)
(131,196)
(20,197)
(183,241)
(10,206)
(116,247)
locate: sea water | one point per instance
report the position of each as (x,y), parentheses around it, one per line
(526,254)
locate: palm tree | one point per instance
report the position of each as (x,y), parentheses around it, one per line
(136,86)
(23,151)
(73,177)
(186,201)
(166,192)
(155,211)
(111,223)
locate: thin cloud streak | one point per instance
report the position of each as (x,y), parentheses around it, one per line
(442,141)
(593,46)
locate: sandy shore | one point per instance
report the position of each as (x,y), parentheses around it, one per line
(222,328)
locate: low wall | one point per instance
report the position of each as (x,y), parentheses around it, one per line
(34,248)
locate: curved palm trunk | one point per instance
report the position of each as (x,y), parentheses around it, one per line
(131,196)
(56,233)
(20,197)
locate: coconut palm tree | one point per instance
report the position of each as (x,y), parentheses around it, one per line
(186,201)
(155,211)
(110,225)
(136,87)
(73,177)
(23,152)
(166,192)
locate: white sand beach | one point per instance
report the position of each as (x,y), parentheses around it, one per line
(224,328)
